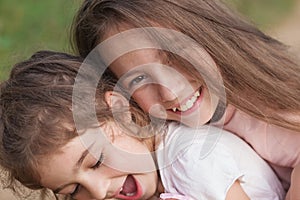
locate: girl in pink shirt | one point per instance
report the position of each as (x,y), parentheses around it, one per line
(198,62)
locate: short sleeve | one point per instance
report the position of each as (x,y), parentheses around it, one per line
(186,170)
(200,177)
(208,177)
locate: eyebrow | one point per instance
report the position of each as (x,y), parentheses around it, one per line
(77,166)
(129,73)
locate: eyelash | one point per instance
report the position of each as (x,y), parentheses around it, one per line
(97,165)
(99,162)
(75,191)
(137,80)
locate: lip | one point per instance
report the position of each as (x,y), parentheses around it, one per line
(192,109)
(138,194)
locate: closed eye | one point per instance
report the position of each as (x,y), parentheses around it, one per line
(76,190)
(99,162)
(97,165)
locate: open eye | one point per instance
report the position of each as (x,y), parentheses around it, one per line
(137,80)
(99,162)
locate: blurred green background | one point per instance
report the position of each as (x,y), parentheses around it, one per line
(264,13)
(30,25)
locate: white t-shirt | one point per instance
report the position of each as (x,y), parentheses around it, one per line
(203,164)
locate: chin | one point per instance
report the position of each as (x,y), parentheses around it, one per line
(191,122)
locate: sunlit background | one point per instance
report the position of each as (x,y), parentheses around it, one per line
(27,26)
(30,25)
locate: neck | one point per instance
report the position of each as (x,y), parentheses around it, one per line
(219,112)
(227,116)
(230,110)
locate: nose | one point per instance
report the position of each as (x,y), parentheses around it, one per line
(94,188)
(166,93)
(172,84)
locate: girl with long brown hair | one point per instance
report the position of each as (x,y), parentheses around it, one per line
(61,131)
(257,94)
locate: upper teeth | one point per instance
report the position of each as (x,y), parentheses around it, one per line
(188,104)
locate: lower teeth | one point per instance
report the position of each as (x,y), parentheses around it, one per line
(130,194)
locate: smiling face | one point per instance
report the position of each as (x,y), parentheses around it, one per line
(116,172)
(164,89)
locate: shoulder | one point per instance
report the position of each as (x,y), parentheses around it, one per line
(196,158)
(207,149)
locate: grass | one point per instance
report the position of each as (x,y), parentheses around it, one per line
(28,26)
(31,25)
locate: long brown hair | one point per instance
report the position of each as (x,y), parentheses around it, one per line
(36,117)
(259,74)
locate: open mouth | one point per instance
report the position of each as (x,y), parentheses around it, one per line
(188,103)
(130,190)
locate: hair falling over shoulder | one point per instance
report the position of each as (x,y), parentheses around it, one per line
(260,76)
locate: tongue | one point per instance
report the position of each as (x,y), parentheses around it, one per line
(129,185)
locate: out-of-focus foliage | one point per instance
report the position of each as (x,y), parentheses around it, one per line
(30,25)
(264,13)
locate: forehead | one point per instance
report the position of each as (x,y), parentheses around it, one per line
(125,51)
(56,167)
(134,59)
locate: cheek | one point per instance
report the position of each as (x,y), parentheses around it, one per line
(146,98)
(207,108)
(148,184)
(131,144)
(210,104)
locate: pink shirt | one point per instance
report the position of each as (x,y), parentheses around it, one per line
(277,145)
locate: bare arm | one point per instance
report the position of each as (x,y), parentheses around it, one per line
(236,192)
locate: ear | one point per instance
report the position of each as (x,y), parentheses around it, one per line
(115,100)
